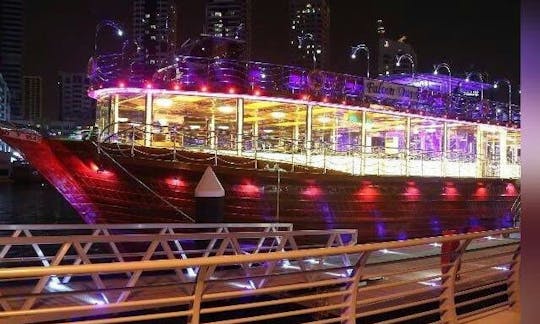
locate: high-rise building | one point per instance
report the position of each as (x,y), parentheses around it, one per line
(310,33)
(391,52)
(229,18)
(155,31)
(32,98)
(4,99)
(11,48)
(75,105)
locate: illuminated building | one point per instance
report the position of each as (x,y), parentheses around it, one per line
(309,33)
(11,48)
(229,18)
(75,106)
(33,98)
(155,32)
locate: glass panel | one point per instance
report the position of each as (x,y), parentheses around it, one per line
(513,147)
(340,129)
(279,127)
(103,116)
(426,139)
(193,121)
(461,142)
(130,117)
(385,133)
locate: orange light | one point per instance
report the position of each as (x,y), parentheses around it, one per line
(257,92)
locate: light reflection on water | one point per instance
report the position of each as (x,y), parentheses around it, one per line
(34,203)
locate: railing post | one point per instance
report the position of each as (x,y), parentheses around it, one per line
(349,313)
(175,133)
(513,287)
(324,158)
(132,140)
(447,305)
(197,295)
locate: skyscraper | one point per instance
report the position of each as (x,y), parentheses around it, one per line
(155,31)
(229,18)
(75,105)
(390,51)
(11,47)
(32,98)
(310,33)
(4,99)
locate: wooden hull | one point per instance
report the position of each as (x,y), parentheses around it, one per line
(128,189)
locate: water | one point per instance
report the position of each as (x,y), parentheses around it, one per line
(34,203)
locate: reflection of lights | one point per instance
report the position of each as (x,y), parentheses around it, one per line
(164,102)
(501,268)
(432,283)
(194,126)
(226,109)
(223,127)
(163,122)
(436,244)
(55,285)
(123,119)
(277,114)
(249,286)
(268,131)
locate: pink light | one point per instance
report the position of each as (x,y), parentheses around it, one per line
(312,191)
(368,192)
(121,84)
(257,92)
(450,191)
(148,85)
(344,102)
(232,90)
(412,193)
(325,99)
(510,190)
(249,189)
(176,86)
(204,88)
(305,97)
(175,182)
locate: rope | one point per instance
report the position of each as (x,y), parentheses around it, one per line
(181,212)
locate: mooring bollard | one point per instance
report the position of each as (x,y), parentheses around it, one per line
(209,198)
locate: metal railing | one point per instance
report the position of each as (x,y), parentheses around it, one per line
(355,159)
(438,279)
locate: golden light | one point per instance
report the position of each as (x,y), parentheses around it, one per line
(277,114)
(164,102)
(226,109)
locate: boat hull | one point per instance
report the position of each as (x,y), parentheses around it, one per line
(111,187)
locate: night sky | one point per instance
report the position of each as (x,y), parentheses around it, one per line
(479,35)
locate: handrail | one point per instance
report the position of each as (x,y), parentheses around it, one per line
(321,279)
(27,272)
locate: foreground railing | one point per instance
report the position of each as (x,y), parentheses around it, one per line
(425,280)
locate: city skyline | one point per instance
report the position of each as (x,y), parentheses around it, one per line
(491,37)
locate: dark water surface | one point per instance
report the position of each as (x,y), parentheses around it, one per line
(34,203)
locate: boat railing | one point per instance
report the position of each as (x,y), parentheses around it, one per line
(174,144)
(449,279)
(190,73)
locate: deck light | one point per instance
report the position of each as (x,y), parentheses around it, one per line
(232,90)
(204,88)
(121,84)
(148,85)
(257,92)
(176,86)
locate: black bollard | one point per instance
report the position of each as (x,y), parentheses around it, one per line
(209,199)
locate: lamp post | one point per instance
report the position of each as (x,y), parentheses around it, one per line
(447,67)
(314,51)
(408,57)
(480,76)
(356,49)
(496,85)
